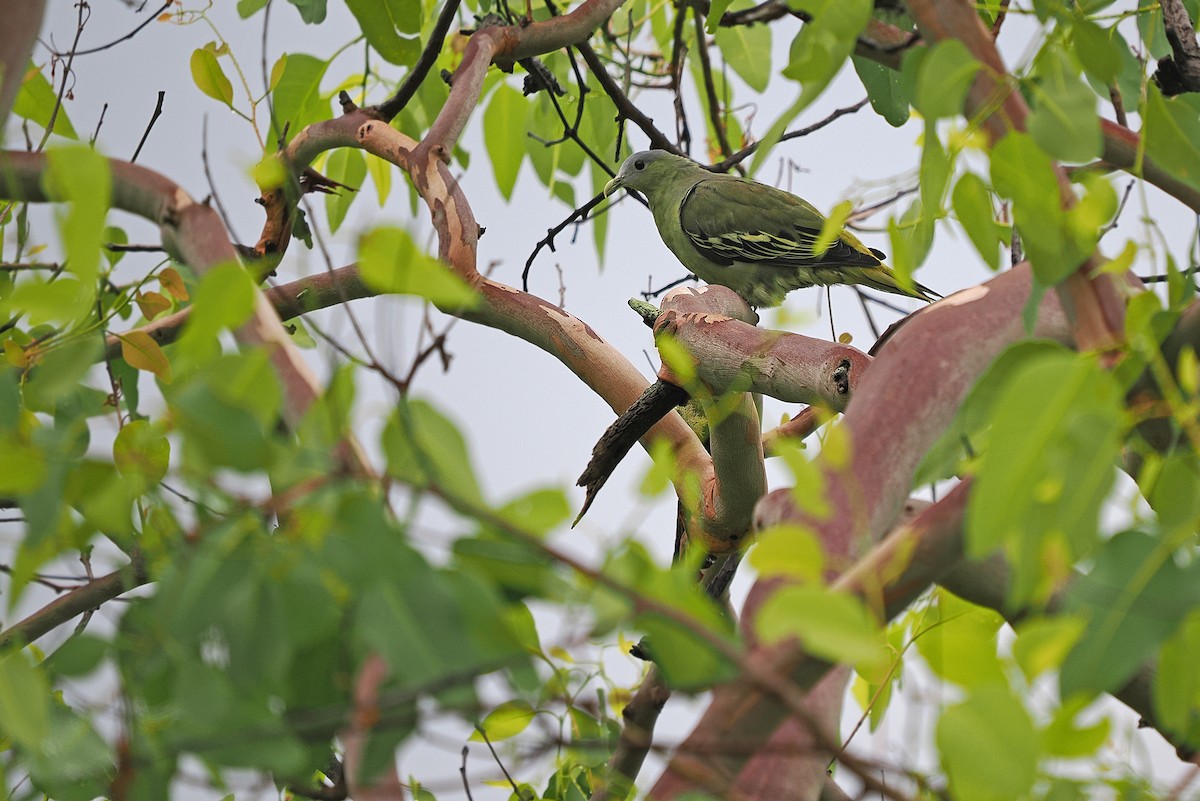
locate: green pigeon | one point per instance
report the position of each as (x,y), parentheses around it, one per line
(755,239)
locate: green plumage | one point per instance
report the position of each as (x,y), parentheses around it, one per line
(755,239)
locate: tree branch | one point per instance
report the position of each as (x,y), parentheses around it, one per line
(22,21)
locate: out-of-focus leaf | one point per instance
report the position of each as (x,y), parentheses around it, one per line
(988,746)
(35,102)
(390,261)
(139,350)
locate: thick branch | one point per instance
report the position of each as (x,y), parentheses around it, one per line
(1095,304)
(1179,72)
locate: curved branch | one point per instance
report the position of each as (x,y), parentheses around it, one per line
(22,21)
(389,108)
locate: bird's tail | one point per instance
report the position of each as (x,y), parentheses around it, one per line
(883,279)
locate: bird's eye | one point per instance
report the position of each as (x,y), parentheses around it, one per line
(639,165)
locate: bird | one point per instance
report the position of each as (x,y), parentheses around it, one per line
(753,238)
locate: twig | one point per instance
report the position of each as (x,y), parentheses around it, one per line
(626,110)
(153,119)
(126,37)
(83,8)
(1000,15)
(462,769)
(710,88)
(580,214)
(389,108)
(99,122)
(746,152)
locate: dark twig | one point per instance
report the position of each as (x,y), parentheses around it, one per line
(462,769)
(208,173)
(716,118)
(99,123)
(626,110)
(392,106)
(85,13)
(654,293)
(578,215)
(153,119)
(678,57)
(746,152)
(124,38)
(655,403)
(487,741)
(1000,15)
(1120,208)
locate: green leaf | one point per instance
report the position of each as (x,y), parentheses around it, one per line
(1062,738)
(1099,54)
(1043,643)
(743,48)
(296,99)
(945,75)
(390,261)
(24,702)
(1063,120)
(1022,172)
(379,21)
(715,11)
(1038,493)
(140,351)
(78,656)
(1171,131)
(81,176)
(1134,598)
(35,102)
(504,124)
(346,166)
(831,625)
(959,642)
(22,466)
(248,8)
(505,722)
(888,98)
(142,452)
(424,447)
(223,300)
(381,175)
(1177,682)
(973,207)
(988,746)
(208,75)
(311,11)
(788,550)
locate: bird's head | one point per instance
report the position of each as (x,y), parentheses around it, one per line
(646,169)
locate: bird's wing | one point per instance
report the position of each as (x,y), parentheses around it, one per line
(729,219)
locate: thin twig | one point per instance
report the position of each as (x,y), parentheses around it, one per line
(124,38)
(710,89)
(389,108)
(84,8)
(746,152)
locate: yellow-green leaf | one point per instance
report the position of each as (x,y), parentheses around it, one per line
(140,351)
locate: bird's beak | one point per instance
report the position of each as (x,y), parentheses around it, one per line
(612,186)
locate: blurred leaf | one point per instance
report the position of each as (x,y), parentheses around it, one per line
(170,280)
(424,447)
(78,656)
(788,550)
(390,261)
(24,702)
(35,102)
(1059,419)
(208,75)
(1097,50)
(139,350)
(940,79)
(151,304)
(973,207)
(81,176)
(958,642)
(1135,597)
(1177,682)
(1043,643)
(346,166)
(224,299)
(1062,738)
(831,625)
(988,746)
(1022,172)
(142,452)
(505,722)
(505,122)
(1063,120)
(1171,131)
